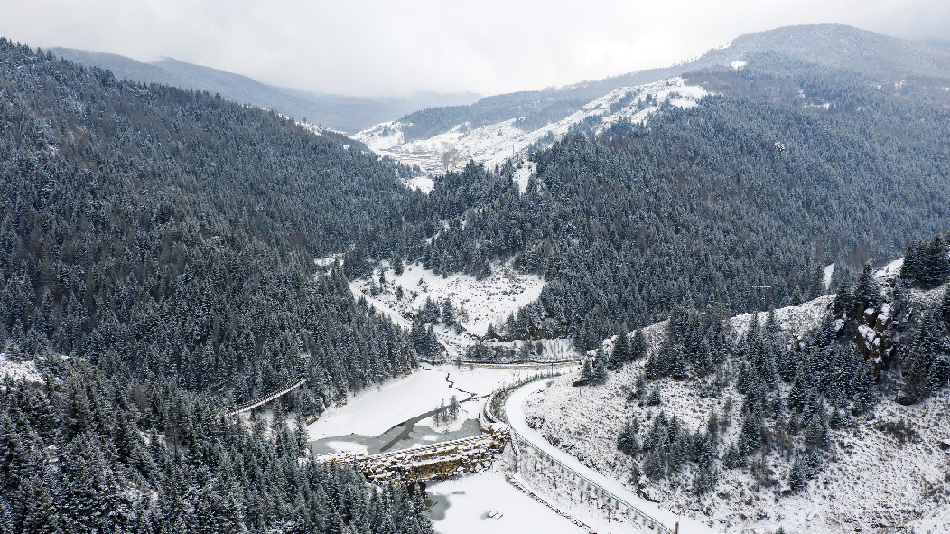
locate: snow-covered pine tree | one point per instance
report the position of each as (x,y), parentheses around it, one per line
(628,442)
(638,347)
(621,352)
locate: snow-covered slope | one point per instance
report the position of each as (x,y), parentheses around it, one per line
(17,370)
(886,472)
(495,143)
(478,303)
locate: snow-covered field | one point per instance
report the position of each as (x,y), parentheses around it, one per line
(495,143)
(478,302)
(875,481)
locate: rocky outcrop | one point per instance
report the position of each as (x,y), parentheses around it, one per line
(872,336)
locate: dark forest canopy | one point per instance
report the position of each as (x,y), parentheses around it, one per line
(702,205)
(173,232)
(165,241)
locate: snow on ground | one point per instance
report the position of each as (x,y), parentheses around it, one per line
(348,447)
(327,261)
(478,302)
(829,273)
(486,502)
(792,319)
(422,183)
(494,144)
(518,407)
(890,270)
(736,65)
(25,370)
(878,477)
(523,173)
(374,411)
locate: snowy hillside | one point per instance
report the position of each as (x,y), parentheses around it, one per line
(477,303)
(476,306)
(848,494)
(887,470)
(495,143)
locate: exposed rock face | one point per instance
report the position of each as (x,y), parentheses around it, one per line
(873,338)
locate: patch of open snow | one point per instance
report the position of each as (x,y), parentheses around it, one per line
(348,447)
(736,65)
(829,274)
(422,183)
(25,370)
(486,502)
(478,303)
(791,319)
(451,426)
(523,174)
(890,270)
(327,261)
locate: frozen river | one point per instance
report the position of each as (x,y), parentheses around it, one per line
(397,415)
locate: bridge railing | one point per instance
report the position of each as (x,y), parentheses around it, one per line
(497,398)
(518,439)
(264,400)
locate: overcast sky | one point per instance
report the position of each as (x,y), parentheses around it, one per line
(396,47)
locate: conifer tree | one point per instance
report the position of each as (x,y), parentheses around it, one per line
(638,347)
(628,442)
(621,352)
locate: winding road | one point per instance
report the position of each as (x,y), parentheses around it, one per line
(514,409)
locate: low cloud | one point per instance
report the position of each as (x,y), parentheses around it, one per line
(377,48)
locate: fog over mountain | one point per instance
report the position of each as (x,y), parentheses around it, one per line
(339,112)
(369,48)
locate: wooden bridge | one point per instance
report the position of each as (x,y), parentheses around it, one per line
(430,462)
(264,400)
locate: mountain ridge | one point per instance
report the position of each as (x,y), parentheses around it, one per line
(799,42)
(339,112)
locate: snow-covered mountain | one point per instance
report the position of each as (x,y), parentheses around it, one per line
(493,144)
(507,126)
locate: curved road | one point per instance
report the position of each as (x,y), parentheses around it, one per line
(514,409)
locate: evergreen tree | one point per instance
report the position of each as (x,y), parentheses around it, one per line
(40,514)
(921,366)
(816,428)
(621,352)
(750,435)
(628,442)
(944,310)
(867,293)
(638,347)
(926,264)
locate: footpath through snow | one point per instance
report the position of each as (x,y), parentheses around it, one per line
(514,409)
